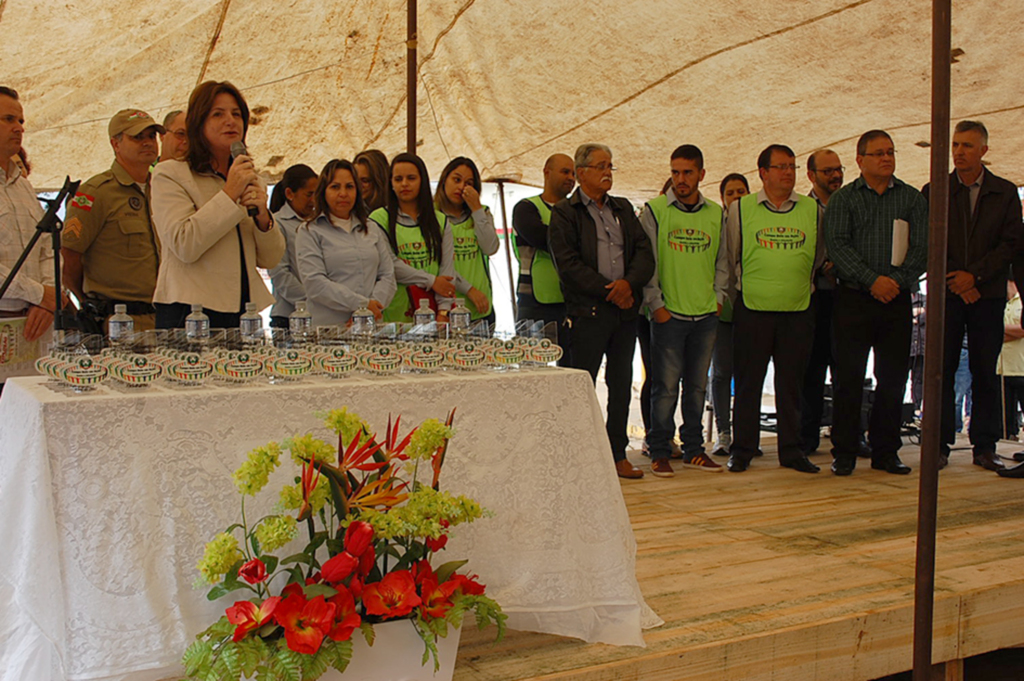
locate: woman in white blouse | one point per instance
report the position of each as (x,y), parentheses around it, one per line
(209,246)
(344,266)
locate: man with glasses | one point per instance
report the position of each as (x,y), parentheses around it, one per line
(876,230)
(773,249)
(984,234)
(174,139)
(604,259)
(825,172)
(109,249)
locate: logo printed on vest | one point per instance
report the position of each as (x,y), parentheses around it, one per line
(465,247)
(782,238)
(689,240)
(414,254)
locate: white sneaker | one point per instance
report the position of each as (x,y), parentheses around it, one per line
(722,444)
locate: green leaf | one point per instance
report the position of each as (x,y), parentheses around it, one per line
(314,590)
(368,633)
(297,558)
(270,562)
(287,664)
(197,656)
(222,590)
(341,654)
(231,660)
(313,666)
(445,572)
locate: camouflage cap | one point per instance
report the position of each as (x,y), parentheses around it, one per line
(133,122)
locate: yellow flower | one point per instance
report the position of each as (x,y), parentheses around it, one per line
(308,448)
(276,531)
(291,496)
(346,424)
(220,554)
(253,474)
(428,437)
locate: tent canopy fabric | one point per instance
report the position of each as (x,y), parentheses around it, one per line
(509,82)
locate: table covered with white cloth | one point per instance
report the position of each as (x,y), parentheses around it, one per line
(107,499)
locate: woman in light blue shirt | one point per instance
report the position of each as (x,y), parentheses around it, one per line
(344,265)
(292,204)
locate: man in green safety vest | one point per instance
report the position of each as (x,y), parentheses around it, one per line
(684,296)
(539,295)
(774,251)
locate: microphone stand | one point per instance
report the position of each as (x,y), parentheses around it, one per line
(52,224)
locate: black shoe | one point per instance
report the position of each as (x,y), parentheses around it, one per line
(1012,472)
(1018,456)
(802,464)
(864,451)
(943,460)
(891,464)
(737,464)
(843,466)
(988,460)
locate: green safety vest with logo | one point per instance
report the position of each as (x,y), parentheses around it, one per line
(412,250)
(470,261)
(687,251)
(539,265)
(777,254)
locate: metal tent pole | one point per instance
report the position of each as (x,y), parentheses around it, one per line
(411,73)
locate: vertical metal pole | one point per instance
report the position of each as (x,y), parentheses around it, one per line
(508,250)
(411,73)
(938,211)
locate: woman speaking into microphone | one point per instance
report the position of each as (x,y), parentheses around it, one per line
(210,214)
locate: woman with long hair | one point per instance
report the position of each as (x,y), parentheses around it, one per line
(458,197)
(344,265)
(210,247)
(420,241)
(374,177)
(292,204)
(732,187)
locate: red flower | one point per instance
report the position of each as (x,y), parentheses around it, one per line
(358,537)
(437,544)
(248,616)
(309,483)
(366,562)
(467,585)
(437,600)
(346,619)
(421,571)
(356,587)
(339,567)
(305,622)
(394,596)
(254,571)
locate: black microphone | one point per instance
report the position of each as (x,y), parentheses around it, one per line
(238,149)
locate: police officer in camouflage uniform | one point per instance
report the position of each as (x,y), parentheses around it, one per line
(110,250)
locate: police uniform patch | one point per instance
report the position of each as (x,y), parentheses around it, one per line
(73,228)
(135,202)
(83,201)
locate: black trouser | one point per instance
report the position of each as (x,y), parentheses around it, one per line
(861,324)
(529,308)
(983,321)
(1013,401)
(643,334)
(172,316)
(812,397)
(757,338)
(610,337)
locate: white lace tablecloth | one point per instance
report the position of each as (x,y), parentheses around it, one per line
(107,499)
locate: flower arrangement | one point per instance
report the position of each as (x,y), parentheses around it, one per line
(372,529)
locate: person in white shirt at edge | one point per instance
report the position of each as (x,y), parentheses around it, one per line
(291,204)
(32,293)
(344,265)
(209,246)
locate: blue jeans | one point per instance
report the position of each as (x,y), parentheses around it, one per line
(679,350)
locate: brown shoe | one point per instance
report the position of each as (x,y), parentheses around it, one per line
(625,469)
(662,468)
(988,460)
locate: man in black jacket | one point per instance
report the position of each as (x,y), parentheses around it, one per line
(984,234)
(603,260)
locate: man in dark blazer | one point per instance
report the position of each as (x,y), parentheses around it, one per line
(603,259)
(984,235)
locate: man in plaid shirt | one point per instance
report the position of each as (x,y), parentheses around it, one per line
(876,231)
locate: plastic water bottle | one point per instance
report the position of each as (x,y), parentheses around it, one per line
(300,323)
(122,327)
(250,326)
(460,317)
(423,315)
(362,322)
(197,325)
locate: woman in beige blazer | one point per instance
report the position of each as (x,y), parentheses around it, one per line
(209,246)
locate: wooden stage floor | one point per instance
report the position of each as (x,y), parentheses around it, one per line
(778,575)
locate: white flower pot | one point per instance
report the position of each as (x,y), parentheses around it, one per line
(396,654)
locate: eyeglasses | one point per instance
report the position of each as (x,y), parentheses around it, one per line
(832,171)
(882,154)
(180,134)
(602,167)
(786,166)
